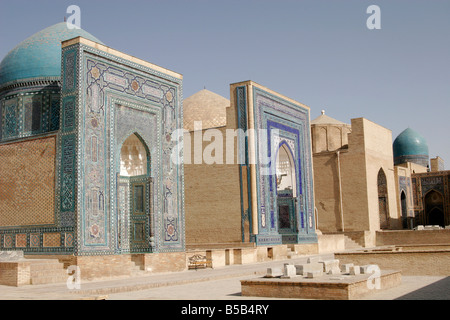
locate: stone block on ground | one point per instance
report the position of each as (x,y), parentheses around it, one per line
(303,269)
(289,271)
(334,270)
(273,273)
(314,259)
(314,274)
(368,268)
(355,270)
(329,264)
(345,268)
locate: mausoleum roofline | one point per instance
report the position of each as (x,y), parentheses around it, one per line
(120,54)
(253,83)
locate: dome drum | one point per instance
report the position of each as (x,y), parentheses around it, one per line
(418,159)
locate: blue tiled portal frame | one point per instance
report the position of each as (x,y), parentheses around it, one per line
(105,99)
(291,122)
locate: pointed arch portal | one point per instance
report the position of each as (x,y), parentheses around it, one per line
(134,196)
(286,182)
(434,208)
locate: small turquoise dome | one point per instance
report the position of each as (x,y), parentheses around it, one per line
(410,146)
(39,56)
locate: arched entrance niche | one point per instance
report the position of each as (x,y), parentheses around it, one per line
(434,208)
(404,209)
(286,193)
(383,208)
(134,196)
(134,157)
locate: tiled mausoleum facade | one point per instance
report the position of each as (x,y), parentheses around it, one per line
(63,153)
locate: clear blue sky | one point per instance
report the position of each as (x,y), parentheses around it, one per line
(317,52)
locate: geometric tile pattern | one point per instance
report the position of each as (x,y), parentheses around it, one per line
(8,241)
(27,182)
(35,240)
(52,239)
(27,114)
(44,215)
(289,123)
(21,240)
(109,99)
(68,239)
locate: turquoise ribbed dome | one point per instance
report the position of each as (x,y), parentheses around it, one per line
(410,146)
(39,56)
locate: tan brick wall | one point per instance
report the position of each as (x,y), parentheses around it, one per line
(98,267)
(212,200)
(15,273)
(331,243)
(305,248)
(425,263)
(329,137)
(27,182)
(369,149)
(379,154)
(67,260)
(165,262)
(326,192)
(413,237)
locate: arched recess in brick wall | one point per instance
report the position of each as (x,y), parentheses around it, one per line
(383,206)
(404,209)
(434,208)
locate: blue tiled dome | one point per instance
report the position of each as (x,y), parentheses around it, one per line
(410,146)
(39,56)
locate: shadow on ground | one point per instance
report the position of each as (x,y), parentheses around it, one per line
(439,290)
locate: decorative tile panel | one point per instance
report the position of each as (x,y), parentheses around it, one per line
(21,240)
(35,240)
(27,182)
(52,239)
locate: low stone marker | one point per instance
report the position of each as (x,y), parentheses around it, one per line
(314,274)
(314,259)
(345,268)
(334,270)
(364,269)
(289,271)
(273,273)
(355,270)
(303,269)
(330,264)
